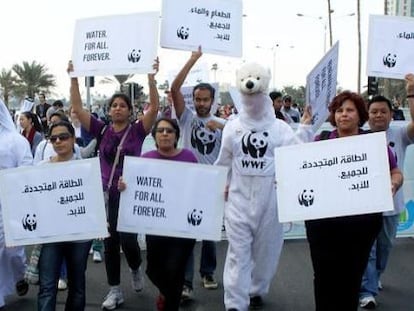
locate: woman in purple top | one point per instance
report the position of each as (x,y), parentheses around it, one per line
(340,246)
(167,256)
(120,111)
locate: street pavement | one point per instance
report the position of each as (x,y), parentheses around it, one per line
(291,289)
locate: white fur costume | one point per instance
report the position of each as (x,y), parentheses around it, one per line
(253,230)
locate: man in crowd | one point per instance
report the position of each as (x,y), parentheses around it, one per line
(41,110)
(380,116)
(201,133)
(288,110)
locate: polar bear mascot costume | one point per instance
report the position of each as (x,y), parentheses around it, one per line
(254,233)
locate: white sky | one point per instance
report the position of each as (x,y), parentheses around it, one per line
(42,30)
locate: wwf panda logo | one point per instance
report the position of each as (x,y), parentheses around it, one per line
(202,139)
(390,60)
(134,56)
(183,33)
(255,144)
(195,217)
(29,222)
(306,197)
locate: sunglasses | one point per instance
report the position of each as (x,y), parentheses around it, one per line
(167,130)
(61,137)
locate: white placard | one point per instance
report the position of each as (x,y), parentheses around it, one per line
(216,25)
(53,202)
(390,46)
(172,198)
(329,178)
(321,86)
(110,45)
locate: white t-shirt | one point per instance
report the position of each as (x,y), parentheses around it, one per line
(204,143)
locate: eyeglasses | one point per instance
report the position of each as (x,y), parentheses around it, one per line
(61,137)
(167,130)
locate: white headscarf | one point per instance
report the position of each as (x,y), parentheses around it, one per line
(27,104)
(6,122)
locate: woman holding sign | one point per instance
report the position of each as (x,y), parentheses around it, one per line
(75,253)
(119,138)
(167,256)
(340,246)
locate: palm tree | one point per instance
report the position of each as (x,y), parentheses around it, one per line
(33,78)
(7,84)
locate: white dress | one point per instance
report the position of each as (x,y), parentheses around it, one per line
(14,152)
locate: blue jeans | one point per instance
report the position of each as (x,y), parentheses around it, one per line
(50,262)
(208,262)
(378,256)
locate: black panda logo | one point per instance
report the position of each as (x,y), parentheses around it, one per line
(134,56)
(29,222)
(390,60)
(195,217)
(202,139)
(183,32)
(306,197)
(255,144)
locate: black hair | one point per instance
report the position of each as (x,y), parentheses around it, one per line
(122,96)
(205,86)
(275,94)
(60,115)
(287,98)
(66,124)
(35,120)
(173,123)
(379,98)
(58,103)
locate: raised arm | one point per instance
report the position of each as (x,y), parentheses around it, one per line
(409,79)
(76,101)
(149,118)
(177,96)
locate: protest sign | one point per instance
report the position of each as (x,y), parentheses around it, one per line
(216,25)
(53,202)
(172,198)
(390,46)
(321,86)
(338,177)
(114,45)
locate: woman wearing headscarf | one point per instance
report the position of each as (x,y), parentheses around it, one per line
(14,152)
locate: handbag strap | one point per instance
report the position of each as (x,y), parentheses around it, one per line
(116,160)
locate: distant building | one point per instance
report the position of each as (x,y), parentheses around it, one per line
(400,7)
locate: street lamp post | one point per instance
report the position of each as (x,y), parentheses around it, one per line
(324,27)
(273,49)
(321,18)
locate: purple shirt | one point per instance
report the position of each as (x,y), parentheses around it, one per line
(184,155)
(391,158)
(109,143)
